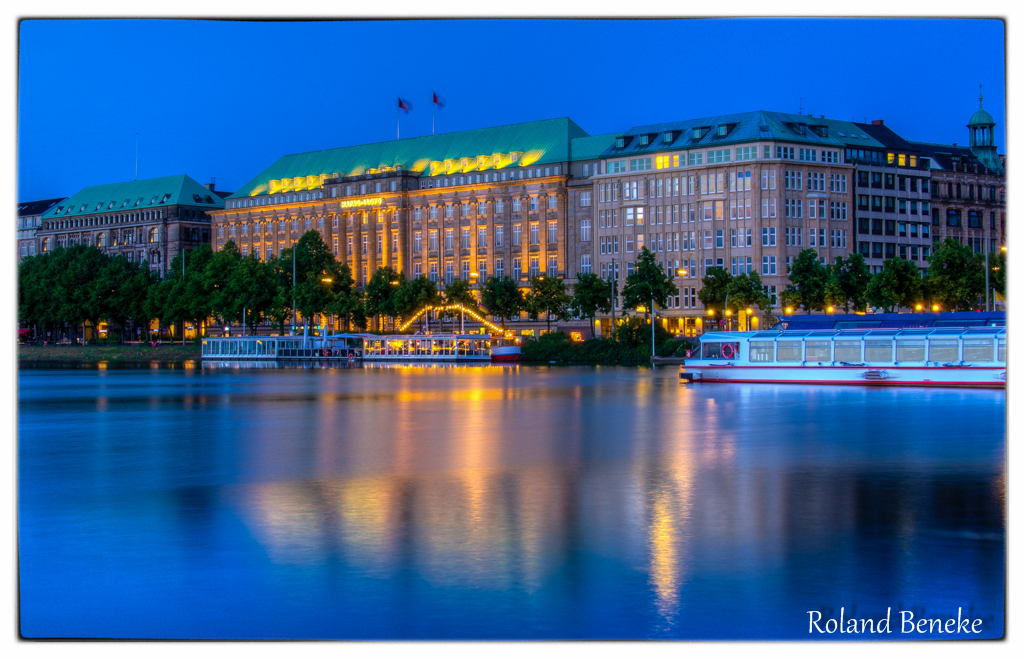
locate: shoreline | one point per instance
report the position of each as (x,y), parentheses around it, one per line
(108,353)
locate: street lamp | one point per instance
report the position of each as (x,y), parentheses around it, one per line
(681,272)
(935,307)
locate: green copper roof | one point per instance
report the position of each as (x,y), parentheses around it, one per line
(746,127)
(590,148)
(540,142)
(136,195)
(981,118)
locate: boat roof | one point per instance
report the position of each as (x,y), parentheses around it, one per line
(876,333)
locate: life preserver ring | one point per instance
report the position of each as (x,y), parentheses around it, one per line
(727,351)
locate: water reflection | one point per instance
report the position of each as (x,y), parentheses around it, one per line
(486,502)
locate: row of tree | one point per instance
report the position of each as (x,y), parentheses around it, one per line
(66,288)
(61,291)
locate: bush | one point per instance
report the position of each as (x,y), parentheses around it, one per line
(557,348)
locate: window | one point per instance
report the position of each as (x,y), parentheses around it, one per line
(818,351)
(552,232)
(585,267)
(499,236)
(534,266)
(978,350)
(585,199)
(848,351)
(449,239)
(433,240)
(785,152)
(481,237)
(417,241)
(585,230)
(878,350)
(639,164)
(552,266)
(465,238)
(517,205)
(789,351)
(517,230)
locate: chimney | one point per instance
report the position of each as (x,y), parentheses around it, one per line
(877,122)
(212,183)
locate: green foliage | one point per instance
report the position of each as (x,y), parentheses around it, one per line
(634,333)
(956,276)
(416,294)
(590,295)
(634,349)
(997,272)
(648,282)
(382,294)
(807,282)
(547,296)
(715,287)
(501,298)
(847,283)
(747,290)
(897,285)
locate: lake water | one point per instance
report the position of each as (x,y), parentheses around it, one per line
(500,503)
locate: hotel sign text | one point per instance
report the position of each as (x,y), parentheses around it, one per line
(352,203)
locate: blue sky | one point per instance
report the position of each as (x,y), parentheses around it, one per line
(227,98)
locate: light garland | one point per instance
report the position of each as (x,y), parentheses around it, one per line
(452,307)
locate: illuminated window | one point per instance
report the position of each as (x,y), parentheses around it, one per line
(890,158)
(449,238)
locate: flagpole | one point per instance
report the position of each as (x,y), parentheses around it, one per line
(432,104)
(398,120)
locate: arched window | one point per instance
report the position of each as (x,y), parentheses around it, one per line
(154,235)
(46,244)
(99,240)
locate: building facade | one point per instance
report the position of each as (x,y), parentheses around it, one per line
(893,198)
(969,188)
(745,192)
(30,220)
(147,221)
(512,201)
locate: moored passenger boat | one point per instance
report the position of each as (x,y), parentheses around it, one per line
(929,357)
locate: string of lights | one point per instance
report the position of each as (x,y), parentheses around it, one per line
(452,307)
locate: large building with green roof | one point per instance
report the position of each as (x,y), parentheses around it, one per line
(510,201)
(147,220)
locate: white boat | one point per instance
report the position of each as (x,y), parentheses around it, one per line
(928,357)
(427,347)
(505,350)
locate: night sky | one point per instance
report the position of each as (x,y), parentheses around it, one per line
(226,99)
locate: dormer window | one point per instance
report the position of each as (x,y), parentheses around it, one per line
(670,136)
(801,129)
(165,197)
(620,142)
(645,140)
(723,131)
(696,133)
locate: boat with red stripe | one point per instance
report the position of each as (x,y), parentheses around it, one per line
(917,357)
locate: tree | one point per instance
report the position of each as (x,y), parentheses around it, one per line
(847,283)
(218,275)
(459,291)
(956,276)
(547,296)
(746,290)
(897,285)
(251,287)
(382,294)
(590,295)
(346,301)
(715,289)
(647,283)
(314,265)
(416,294)
(997,272)
(501,298)
(807,279)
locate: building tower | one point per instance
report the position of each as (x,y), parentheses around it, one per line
(982,137)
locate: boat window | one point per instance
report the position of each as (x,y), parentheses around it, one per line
(762,351)
(711,351)
(789,351)
(848,351)
(878,351)
(943,350)
(1002,350)
(977,350)
(819,351)
(910,351)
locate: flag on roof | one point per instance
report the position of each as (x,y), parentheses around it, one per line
(404,105)
(437,101)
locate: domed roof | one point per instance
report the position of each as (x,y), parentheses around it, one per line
(981,118)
